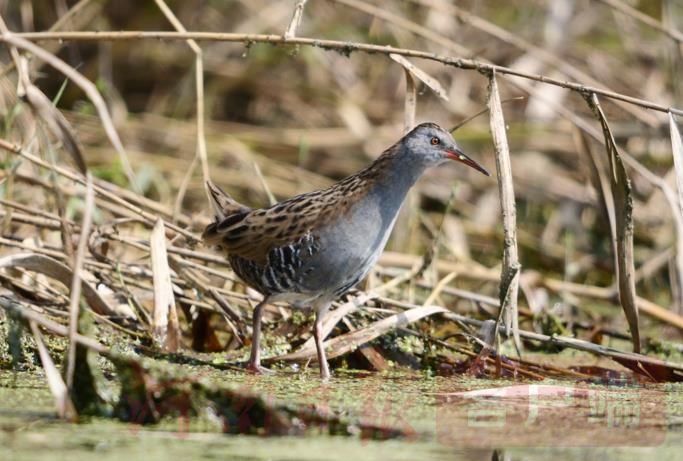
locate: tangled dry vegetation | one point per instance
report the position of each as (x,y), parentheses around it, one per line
(107,138)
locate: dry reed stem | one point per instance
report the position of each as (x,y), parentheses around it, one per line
(407,218)
(76,283)
(199,88)
(620,185)
(511,268)
(59,390)
(345,47)
(677,151)
(438,288)
(410,102)
(264,184)
(342,344)
(47,223)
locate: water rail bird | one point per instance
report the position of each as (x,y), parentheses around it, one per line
(311,249)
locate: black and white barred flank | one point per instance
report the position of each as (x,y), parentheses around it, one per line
(283,270)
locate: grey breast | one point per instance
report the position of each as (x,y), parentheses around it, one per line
(350,246)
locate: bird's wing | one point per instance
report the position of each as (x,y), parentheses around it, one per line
(252,234)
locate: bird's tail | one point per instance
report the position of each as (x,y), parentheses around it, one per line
(222,203)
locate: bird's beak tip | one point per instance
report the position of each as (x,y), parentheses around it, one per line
(459,156)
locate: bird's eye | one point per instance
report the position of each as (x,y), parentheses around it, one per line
(435,141)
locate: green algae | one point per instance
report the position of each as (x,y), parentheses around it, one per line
(29,430)
(420,402)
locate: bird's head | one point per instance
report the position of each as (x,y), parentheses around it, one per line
(431,145)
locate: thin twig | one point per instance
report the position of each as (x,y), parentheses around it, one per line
(75,300)
(271,198)
(343,46)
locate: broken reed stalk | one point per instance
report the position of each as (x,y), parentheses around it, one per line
(410,102)
(677,151)
(511,269)
(296,19)
(407,219)
(166,329)
(264,184)
(620,185)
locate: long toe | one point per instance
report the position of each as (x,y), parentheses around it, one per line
(258,369)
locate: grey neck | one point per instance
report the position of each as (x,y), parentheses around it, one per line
(399,175)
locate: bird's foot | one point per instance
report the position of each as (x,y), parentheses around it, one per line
(258,369)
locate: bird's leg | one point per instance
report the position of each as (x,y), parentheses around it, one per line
(319,338)
(254,364)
